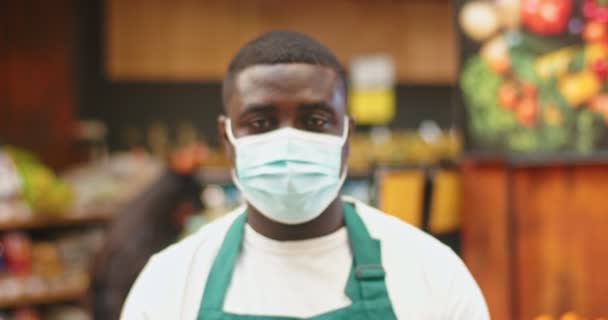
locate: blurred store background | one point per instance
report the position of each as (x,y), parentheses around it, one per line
(482,122)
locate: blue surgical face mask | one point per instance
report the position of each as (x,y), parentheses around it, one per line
(291,176)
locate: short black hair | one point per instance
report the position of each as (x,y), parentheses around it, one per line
(276,47)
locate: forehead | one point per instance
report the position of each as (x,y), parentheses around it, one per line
(283,84)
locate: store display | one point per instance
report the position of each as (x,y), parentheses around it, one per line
(109,184)
(59,312)
(32,196)
(17,252)
(535,83)
(65,313)
(47,270)
(39,187)
(26,314)
(400,147)
(478,20)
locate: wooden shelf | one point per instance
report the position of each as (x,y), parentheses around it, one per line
(42,221)
(67,294)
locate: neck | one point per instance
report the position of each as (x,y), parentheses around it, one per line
(327,222)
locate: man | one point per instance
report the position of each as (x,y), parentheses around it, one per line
(297,250)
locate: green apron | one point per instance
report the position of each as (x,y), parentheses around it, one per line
(365,287)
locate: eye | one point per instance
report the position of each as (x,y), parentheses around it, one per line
(317,122)
(259,124)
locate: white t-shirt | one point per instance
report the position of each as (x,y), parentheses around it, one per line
(300,278)
(424,278)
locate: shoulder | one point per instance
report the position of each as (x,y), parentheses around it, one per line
(386,227)
(160,287)
(422,273)
(405,247)
(211,234)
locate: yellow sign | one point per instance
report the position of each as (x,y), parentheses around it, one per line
(372,106)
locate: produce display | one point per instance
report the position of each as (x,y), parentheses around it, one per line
(51,228)
(401,147)
(32,194)
(41,269)
(534,75)
(25,179)
(110,184)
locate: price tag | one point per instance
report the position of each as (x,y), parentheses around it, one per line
(10,182)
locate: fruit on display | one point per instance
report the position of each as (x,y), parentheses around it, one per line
(479,20)
(508,13)
(526,112)
(546,17)
(594,31)
(17,248)
(508,95)
(542,85)
(595,10)
(578,88)
(52,266)
(496,54)
(552,116)
(43,191)
(554,63)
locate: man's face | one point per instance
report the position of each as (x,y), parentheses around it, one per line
(302,96)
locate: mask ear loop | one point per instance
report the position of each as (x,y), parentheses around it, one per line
(345,131)
(232,139)
(228,126)
(344,137)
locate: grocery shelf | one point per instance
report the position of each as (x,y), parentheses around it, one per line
(66,294)
(42,221)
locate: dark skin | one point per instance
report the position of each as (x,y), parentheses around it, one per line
(263,98)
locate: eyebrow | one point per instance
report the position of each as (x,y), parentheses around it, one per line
(322,105)
(249,108)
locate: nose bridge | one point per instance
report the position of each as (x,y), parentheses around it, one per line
(287,112)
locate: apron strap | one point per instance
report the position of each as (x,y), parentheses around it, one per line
(367,271)
(221,271)
(365,282)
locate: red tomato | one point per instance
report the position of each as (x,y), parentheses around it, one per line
(546,17)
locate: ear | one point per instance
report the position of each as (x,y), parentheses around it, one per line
(223,137)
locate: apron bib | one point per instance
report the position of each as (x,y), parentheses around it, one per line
(365,286)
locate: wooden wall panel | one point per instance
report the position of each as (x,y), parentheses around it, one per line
(195,39)
(535,238)
(561,216)
(485,236)
(36,88)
